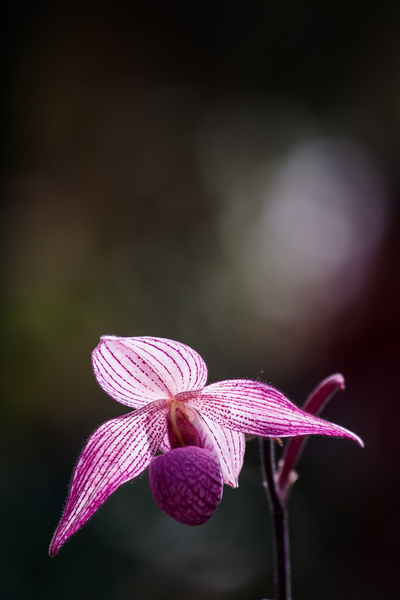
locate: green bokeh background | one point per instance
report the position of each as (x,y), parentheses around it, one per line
(115,221)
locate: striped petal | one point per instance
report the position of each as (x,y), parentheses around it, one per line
(137,370)
(165,445)
(118,451)
(259,409)
(230,447)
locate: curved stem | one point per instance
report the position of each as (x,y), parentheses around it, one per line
(278,485)
(279,520)
(313,405)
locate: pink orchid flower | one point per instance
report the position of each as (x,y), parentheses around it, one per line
(198,428)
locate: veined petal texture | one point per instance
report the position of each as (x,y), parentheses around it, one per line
(259,409)
(137,370)
(230,447)
(118,451)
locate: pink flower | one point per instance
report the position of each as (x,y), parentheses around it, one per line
(199,429)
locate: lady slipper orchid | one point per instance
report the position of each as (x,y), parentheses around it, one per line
(198,428)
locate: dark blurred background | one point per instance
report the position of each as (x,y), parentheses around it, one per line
(225,174)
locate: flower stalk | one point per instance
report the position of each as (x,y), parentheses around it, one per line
(279,516)
(278,484)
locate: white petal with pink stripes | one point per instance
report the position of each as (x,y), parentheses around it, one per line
(196,427)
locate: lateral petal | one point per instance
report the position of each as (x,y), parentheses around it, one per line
(137,370)
(230,447)
(257,408)
(118,451)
